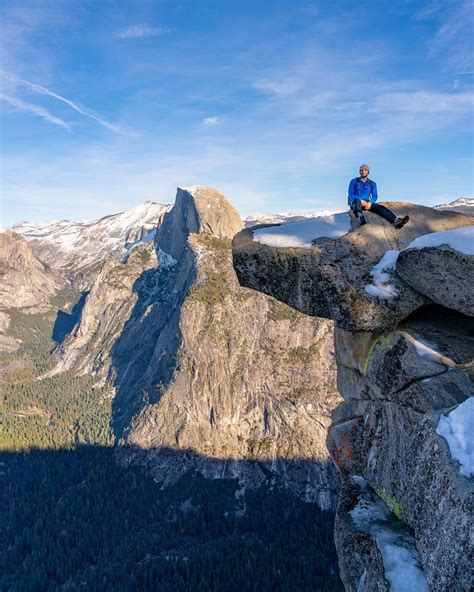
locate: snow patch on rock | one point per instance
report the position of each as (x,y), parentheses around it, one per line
(426,349)
(304,232)
(149,236)
(402,565)
(165,260)
(382,275)
(457,428)
(459,239)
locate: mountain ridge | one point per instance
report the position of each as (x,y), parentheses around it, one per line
(77,249)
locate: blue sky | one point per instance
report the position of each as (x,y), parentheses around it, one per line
(274,103)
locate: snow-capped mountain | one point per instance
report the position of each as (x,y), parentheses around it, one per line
(464,205)
(78,248)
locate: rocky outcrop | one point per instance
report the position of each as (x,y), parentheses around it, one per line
(25,281)
(4,322)
(329,279)
(442,274)
(401,364)
(241,384)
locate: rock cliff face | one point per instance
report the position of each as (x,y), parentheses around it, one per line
(238,381)
(26,282)
(402,363)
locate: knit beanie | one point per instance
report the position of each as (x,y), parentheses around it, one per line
(364,166)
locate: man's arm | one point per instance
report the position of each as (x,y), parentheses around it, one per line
(374,196)
(351,191)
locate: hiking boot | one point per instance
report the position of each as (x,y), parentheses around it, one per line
(400,222)
(362,220)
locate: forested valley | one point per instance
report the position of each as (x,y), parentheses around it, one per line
(73,518)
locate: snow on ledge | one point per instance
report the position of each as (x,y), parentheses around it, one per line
(401,561)
(457,428)
(459,239)
(426,349)
(382,287)
(303,232)
(165,260)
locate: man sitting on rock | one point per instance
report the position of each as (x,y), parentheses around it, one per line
(363,195)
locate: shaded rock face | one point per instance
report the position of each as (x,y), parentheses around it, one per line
(26,282)
(202,365)
(399,369)
(110,301)
(386,432)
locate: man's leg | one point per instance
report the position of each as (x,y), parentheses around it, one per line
(389,215)
(356,207)
(383,212)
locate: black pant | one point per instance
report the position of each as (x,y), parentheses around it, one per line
(375,208)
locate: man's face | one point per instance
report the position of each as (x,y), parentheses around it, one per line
(364,173)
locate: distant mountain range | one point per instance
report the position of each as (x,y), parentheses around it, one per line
(464,205)
(77,249)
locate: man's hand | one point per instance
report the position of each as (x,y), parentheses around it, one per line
(365,204)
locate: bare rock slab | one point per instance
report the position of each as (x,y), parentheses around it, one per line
(442,274)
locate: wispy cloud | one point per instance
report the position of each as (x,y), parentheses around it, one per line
(283,87)
(452,41)
(45,91)
(210,121)
(428,10)
(139,31)
(310,9)
(424,102)
(36,109)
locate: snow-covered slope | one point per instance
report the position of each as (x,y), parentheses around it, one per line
(465,205)
(78,248)
(301,233)
(280,218)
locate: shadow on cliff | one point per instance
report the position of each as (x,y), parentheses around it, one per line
(78,519)
(144,355)
(65,321)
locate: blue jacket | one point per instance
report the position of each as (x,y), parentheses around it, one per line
(360,190)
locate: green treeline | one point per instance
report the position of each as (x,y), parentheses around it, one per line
(56,412)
